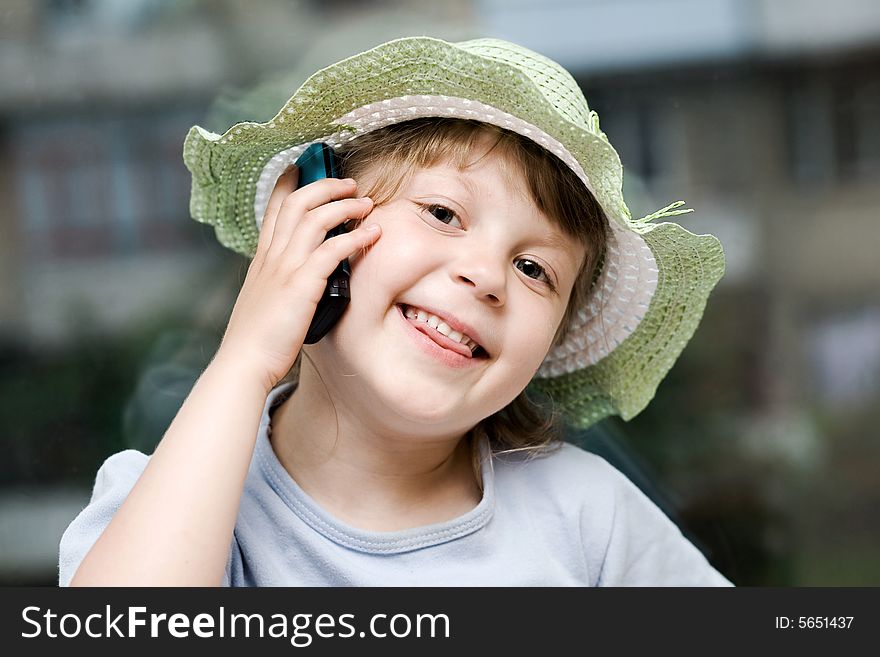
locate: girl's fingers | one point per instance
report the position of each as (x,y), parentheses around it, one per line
(284,187)
(295,206)
(318,193)
(327,257)
(312,229)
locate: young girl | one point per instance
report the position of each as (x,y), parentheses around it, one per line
(491,252)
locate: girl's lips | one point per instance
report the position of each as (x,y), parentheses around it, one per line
(437,336)
(438,345)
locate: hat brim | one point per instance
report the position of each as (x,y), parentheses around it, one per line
(624,382)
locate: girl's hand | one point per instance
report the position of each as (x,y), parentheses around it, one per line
(289,271)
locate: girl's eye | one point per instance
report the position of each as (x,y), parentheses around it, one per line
(443,214)
(531,267)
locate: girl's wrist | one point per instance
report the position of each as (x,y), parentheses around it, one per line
(239,368)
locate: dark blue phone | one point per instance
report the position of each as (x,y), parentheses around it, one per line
(319,161)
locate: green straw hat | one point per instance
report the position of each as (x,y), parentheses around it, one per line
(655,277)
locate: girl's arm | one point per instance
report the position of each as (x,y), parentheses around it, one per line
(175,527)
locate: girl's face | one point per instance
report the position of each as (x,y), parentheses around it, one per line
(467,246)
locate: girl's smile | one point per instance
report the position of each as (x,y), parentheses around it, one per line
(437,346)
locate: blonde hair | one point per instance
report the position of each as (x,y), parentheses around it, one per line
(390,155)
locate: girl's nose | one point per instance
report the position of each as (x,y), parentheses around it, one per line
(484,273)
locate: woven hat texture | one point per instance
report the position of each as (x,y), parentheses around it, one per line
(655,278)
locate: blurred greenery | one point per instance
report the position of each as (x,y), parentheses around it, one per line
(65,411)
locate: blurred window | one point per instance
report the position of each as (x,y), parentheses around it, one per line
(832,125)
(630,125)
(92,187)
(858,112)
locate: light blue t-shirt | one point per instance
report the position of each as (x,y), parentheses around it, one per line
(564,519)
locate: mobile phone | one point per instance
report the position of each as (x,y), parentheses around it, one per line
(319,161)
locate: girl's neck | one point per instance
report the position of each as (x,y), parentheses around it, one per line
(367,480)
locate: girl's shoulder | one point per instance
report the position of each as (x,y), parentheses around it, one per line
(568,472)
(120,470)
(125,460)
(626,538)
(563,461)
(114,481)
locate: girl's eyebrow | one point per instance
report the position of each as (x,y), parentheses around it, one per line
(456,177)
(427,176)
(560,243)
(561,246)
(468,185)
(555,240)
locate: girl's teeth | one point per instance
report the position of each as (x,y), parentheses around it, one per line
(441,327)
